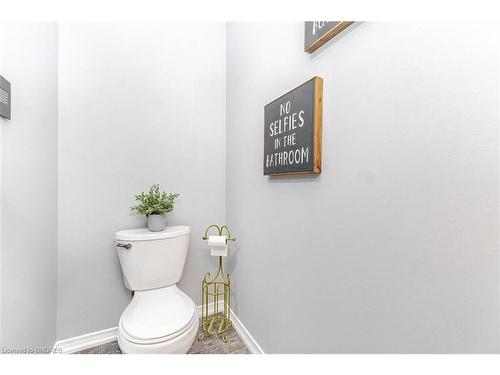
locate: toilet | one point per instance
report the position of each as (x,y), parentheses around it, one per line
(161,318)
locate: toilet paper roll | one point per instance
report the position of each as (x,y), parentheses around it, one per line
(217,245)
(217,241)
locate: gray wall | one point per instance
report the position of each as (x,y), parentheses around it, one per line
(1,122)
(394,247)
(29,186)
(139,104)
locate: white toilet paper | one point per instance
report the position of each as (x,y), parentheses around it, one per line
(217,245)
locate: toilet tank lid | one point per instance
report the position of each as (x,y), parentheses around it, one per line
(144,234)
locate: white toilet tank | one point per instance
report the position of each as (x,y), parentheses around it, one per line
(151,260)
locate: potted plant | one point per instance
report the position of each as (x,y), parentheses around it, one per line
(154,205)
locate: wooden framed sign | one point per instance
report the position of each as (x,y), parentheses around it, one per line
(317,33)
(4,98)
(292,131)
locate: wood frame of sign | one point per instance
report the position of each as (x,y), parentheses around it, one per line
(5,98)
(310,96)
(340,26)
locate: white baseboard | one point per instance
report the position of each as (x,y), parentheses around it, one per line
(78,343)
(211,309)
(247,338)
(75,344)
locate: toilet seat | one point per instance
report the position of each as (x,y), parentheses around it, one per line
(158,315)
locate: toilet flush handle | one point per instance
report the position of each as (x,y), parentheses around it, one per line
(126,246)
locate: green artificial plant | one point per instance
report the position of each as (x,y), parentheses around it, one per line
(154,202)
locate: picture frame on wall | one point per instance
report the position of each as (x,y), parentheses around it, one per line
(317,33)
(293,125)
(5,98)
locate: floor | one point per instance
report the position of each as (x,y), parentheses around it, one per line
(209,345)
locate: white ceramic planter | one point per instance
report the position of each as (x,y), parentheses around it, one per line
(156,223)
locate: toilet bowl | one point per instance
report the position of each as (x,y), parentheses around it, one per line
(163,320)
(160,318)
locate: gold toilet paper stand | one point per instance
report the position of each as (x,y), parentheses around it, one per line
(216,321)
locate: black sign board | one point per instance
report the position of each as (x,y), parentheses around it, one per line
(317,33)
(4,98)
(292,131)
